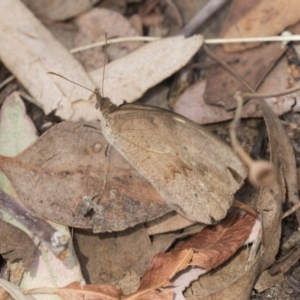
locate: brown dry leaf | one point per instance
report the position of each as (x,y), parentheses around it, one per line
(169,222)
(286,155)
(61,177)
(92,27)
(76,291)
(57,10)
(16,244)
(192,105)
(106,257)
(253,66)
(205,251)
(233,280)
(259,18)
(40,53)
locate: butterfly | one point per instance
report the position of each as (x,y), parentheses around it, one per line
(193,171)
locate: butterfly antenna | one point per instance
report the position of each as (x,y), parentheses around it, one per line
(56,74)
(105,58)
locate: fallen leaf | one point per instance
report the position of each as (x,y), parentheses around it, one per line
(106,257)
(253,66)
(171,221)
(20,133)
(40,54)
(56,10)
(234,280)
(143,65)
(14,290)
(16,245)
(191,103)
(71,157)
(77,291)
(259,18)
(13,120)
(92,26)
(265,281)
(205,250)
(147,66)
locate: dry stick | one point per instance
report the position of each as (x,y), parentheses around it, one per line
(176,12)
(206,12)
(55,240)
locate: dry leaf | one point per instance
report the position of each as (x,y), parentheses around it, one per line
(233,280)
(106,257)
(62,176)
(259,18)
(16,245)
(92,27)
(253,66)
(71,101)
(40,54)
(76,291)
(171,221)
(57,10)
(205,251)
(147,66)
(192,105)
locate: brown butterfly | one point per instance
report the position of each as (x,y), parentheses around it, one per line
(194,172)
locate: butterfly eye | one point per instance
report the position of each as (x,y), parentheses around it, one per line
(97,105)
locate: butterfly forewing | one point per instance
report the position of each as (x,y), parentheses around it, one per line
(189,167)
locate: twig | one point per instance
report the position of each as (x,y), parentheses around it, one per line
(228,69)
(261,172)
(6,81)
(176,12)
(116,40)
(149,7)
(55,240)
(206,12)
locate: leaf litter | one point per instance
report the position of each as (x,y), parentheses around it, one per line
(16,125)
(266,252)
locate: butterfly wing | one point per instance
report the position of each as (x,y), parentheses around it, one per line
(193,171)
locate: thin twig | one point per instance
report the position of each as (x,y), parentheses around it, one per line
(206,12)
(228,69)
(6,81)
(116,40)
(176,12)
(261,172)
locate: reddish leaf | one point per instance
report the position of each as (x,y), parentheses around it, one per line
(205,250)
(75,291)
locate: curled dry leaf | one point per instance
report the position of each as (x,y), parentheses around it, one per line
(62,176)
(205,251)
(259,18)
(92,26)
(76,291)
